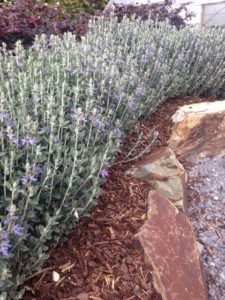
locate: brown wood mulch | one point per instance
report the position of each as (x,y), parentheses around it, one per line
(100,259)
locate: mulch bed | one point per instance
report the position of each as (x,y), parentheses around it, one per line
(100,259)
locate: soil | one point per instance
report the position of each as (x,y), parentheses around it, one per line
(100,260)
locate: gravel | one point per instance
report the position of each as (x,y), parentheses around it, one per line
(207,211)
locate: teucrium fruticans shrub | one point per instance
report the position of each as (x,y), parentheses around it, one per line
(64,106)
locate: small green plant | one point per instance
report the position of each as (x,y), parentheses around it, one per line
(87,6)
(5,3)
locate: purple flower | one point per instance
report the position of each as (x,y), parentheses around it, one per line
(28,141)
(39,170)
(99,107)
(117,132)
(56,140)
(8,220)
(132,104)
(18,230)
(37,99)
(106,164)
(141,90)
(3,235)
(104,173)
(119,98)
(4,248)
(24,181)
(24,142)
(78,115)
(44,129)
(96,121)
(3,116)
(16,142)
(9,124)
(11,136)
(32,178)
(4,243)
(11,74)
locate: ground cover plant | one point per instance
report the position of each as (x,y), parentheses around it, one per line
(64,108)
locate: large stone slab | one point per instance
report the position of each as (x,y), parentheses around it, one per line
(201,109)
(199,130)
(165,174)
(169,245)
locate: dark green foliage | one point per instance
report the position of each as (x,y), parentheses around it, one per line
(88,6)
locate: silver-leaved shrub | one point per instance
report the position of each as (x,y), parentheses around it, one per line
(64,108)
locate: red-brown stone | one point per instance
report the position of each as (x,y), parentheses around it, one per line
(199,130)
(169,244)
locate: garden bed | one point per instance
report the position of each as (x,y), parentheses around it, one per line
(65,109)
(100,259)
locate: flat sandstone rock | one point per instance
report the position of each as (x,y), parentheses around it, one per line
(201,109)
(169,245)
(199,130)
